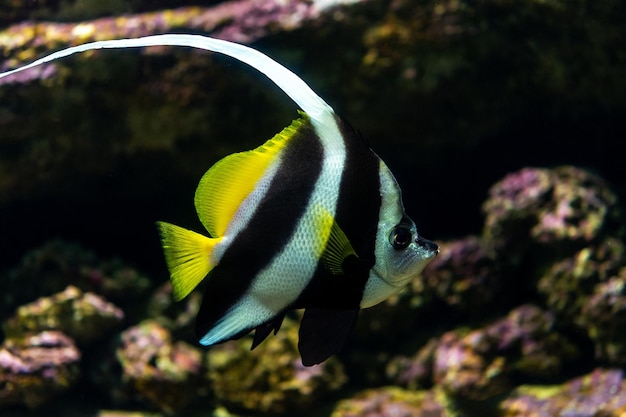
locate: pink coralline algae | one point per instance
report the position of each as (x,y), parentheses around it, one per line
(604,317)
(54,266)
(37,368)
(560,207)
(159,371)
(463,276)
(271,379)
(479,364)
(599,394)
(391,402)
(83,316)
(239,21)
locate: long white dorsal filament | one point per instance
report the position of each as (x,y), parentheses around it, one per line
(313,105)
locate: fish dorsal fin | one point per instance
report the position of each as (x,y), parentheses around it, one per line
(337,247)
(228,182)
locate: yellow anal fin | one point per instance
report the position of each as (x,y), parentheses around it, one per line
(337,247)
(188,257)
(226,184)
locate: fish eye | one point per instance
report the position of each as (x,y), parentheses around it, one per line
(401,237)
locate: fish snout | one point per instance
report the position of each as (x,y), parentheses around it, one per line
(427,245)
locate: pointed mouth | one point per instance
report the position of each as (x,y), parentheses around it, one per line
(428,245)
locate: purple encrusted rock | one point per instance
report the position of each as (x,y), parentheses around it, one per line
(391,402)
(85,317)
(477,365)
(238,21)
(271,379)
(558,208)
(463,276)
(165,374)
(586,290)
(52,267)
(602,393)
(414,372)
(36,368)
(569,282)
(604,317)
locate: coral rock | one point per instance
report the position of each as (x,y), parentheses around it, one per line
(568,283)
(463,276)
(164,373)
(36,368)
(390,402)
(601,393)
(604,317)
(477,365)
(563,207)
(83,316)
(271,379)
(57,264)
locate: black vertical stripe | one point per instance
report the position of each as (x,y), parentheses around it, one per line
(357,214)
(268,231)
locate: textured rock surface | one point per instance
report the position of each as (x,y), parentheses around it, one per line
(391,402)
(271,379)
(85,317)
(164,373)
(36,368)
(55,265)
(601,393)
(559,208)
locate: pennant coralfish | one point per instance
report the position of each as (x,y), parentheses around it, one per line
(312,219)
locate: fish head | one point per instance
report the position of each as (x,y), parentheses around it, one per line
(401,253)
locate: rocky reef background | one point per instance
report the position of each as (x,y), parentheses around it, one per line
(502,120)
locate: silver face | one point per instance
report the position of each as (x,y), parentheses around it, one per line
(401,253)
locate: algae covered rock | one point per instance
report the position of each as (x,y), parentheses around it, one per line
(463,276)
(600,393)
(271,379)
(416,371)
(556,210)
(462,279)
(36,368)
(163,373)
(479,364)
(391,402)
(53,266)
(85,317)
(604,317)
(568,283)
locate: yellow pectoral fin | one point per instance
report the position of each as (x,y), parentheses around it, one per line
(188,257)
(226,184)
(337,247)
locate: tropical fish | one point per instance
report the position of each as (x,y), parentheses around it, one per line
(312,219)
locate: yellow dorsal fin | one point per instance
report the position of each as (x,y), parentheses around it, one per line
(337,247)
(226,184)
(188,257)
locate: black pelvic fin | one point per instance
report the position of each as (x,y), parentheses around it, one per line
(323,332)
(264,330)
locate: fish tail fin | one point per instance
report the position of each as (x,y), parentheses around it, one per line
(188,257)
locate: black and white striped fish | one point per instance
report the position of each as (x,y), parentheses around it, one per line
(311,219)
